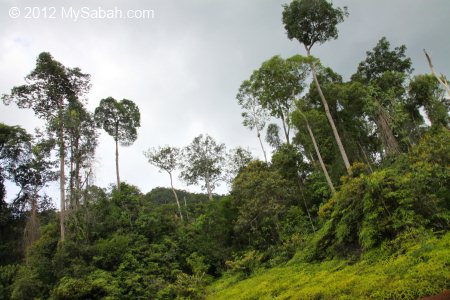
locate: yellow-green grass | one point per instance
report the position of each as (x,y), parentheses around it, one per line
(424,269)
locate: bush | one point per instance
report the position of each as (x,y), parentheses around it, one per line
(7,274)
(372,208)
(245,263)
(97,285)
(27,285)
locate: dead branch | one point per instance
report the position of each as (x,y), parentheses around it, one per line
(441,78)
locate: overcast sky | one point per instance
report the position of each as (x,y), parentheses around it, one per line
(184,66)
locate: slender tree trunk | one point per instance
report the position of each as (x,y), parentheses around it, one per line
(304,201)
(286,129)
(77,185)
(71,177)
(77,174)
(330,119)
(62,178)
(258,133)
(208,187)
(34,219)
(324,169)
(387,136)
(365,157)
(186,208)
(32,226)
(176,196)
(117,164)
(311,157)
(87,178)
(322,165)
(260,142)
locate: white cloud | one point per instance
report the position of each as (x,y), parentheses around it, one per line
(184,67)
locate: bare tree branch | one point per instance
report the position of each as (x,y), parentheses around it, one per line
(441,78)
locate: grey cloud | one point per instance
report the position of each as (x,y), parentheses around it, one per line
(184,67)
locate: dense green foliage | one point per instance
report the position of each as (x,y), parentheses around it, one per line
(312,21)
(124,244)
(128,245)
(119,119)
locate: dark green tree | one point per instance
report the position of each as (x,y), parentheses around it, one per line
(346,103)
(32,174)
(261,196)
(236,160)
(299,118)
(120,119)
(314,22)
(50,89)
(289,162)
(82,136)
(15,145)
(424,91)
(384,72)
(279,83)
(381,60)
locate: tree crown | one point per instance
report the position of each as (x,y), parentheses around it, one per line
(381,60)
(49,87)
(120,119)
(203,160)
(312,21)
(165,158)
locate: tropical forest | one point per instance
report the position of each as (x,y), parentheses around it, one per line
(346,197)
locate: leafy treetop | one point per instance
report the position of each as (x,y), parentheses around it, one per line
(165,158)
(119,119)
(312,21)
(48,86)
(380,60)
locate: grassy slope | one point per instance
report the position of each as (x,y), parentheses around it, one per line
(424,269)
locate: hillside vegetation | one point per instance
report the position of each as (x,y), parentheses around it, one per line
(418,269)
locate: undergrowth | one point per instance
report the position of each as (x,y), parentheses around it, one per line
(412,271)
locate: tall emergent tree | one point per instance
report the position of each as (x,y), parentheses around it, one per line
(167,159)
(277,82)
(255,116)
(314,22)
(120,119)
(384,72)
(49,90)
(203,162)
(82,137)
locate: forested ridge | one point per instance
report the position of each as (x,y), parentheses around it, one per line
(351,201)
